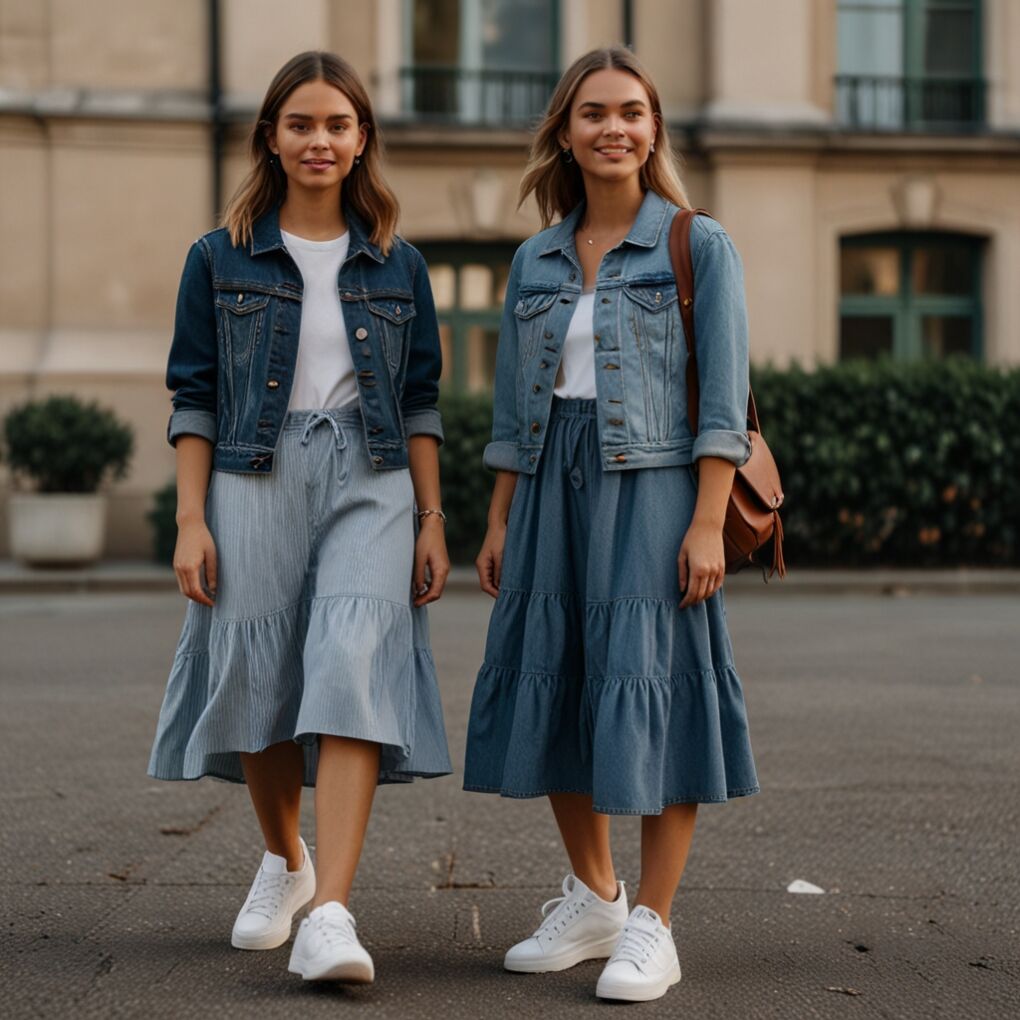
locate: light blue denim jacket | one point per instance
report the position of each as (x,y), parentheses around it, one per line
(640,351)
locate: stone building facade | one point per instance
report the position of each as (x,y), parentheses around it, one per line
(863,155)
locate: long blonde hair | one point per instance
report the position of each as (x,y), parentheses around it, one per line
(364,189)
(558,185)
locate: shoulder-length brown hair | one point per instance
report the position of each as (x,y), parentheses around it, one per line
(364,189)
(558,185)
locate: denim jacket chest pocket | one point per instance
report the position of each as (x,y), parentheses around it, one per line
(242,321)
(532,314)
(389,315)
(655,353)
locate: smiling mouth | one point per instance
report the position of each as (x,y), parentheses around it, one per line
(607,150)
(318,162)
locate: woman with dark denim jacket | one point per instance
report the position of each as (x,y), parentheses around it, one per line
(608,683)
(305,366)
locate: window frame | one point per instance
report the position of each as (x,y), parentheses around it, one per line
(495,255)
(907,309)
(914,77)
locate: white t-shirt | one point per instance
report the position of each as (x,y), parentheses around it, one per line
(576,377)
(324,372)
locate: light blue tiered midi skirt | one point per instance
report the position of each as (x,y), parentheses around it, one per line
(313,631)
(594,680)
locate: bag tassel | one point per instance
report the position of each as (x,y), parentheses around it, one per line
(778,563)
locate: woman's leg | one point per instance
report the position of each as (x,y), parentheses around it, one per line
(585,837)
(274,779)
(665,841)
(344,789)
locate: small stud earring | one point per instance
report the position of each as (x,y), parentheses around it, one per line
(653,146)
(357,161)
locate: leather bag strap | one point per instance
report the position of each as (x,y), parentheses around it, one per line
(683,270)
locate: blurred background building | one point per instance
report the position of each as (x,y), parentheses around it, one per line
(864,155)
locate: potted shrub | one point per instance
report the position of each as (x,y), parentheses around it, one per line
(63,448)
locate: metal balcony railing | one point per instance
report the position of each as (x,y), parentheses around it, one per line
(892,103)
(463,96)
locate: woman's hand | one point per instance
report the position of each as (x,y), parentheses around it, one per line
(701,563)
(195,561)
(489,562)
(431,561)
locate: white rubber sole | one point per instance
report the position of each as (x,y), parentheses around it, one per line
(626,992)
(354,972)
(268,940)
(596,950)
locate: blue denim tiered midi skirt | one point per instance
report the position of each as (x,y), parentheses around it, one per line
(594,680)
(313,630)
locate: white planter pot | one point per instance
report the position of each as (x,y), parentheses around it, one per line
(55,528)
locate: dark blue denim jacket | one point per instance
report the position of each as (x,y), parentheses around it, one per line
(236,336)
(640,352)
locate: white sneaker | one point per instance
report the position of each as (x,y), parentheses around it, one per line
(581,926)
(275,897)
(644,963)
(327,947)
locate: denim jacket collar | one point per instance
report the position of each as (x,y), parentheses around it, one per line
(266,234)
(644,232)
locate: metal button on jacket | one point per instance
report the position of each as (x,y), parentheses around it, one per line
(361,332)
(272,384)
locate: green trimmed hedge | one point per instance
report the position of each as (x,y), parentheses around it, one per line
(896,463)
(883,463)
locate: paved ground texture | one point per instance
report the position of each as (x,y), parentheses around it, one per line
(885,730)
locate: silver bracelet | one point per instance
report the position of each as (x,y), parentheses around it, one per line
(421,514)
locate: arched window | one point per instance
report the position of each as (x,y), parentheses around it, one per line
(910,295)
(469,284)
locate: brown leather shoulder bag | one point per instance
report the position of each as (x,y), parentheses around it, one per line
(752,516)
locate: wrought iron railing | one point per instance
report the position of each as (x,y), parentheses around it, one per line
(464,96)
(892,103)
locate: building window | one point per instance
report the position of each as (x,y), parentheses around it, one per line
(488,62)
(910,65)
(910,295)
(469,285)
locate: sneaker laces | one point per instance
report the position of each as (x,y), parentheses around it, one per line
(636,945)
(336,931)
(267,896)
(563,910)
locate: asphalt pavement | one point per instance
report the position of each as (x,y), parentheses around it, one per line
(886,735)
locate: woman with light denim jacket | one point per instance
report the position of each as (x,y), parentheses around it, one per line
(608,683)
(305,365)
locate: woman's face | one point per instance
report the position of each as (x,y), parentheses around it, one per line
(317,136)
(611,126)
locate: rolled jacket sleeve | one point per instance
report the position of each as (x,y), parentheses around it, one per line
(501,453)
(192,366)
(425,361)
(720,330)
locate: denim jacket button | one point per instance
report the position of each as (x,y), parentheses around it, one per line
(620,459)
(615,421)
(548,335)
(543,364)
(605,301)
(535,428)
(377,460)
(240,298)
(536,388)
(272,384)
(361,332)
